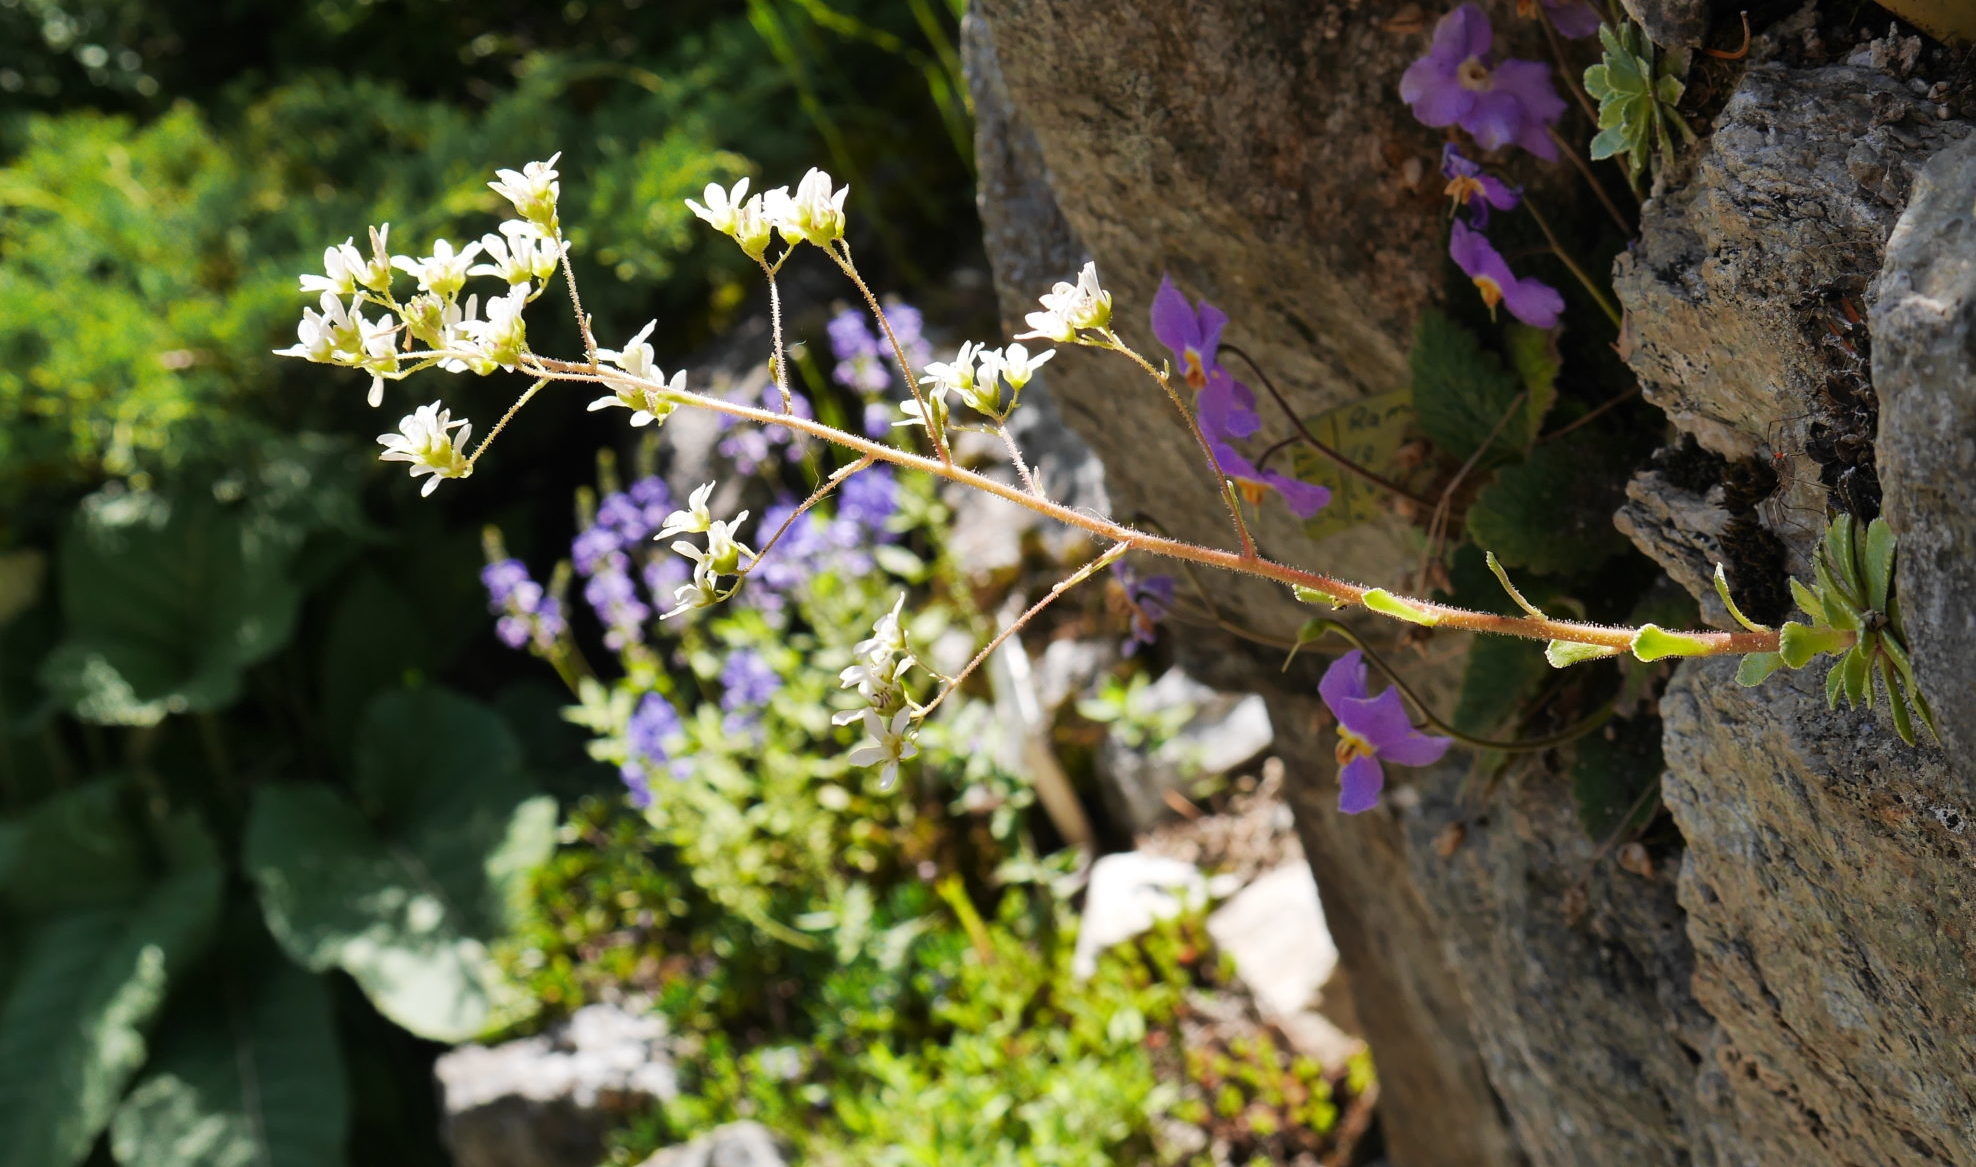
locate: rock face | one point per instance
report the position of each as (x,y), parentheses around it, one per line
(1787,982)
(1924,331)
(549,1101)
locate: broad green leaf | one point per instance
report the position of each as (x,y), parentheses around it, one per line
(1461,391)
(1798,643)
(1366,432)
(405,893)
(375,638)
(167,602)
(85,985)
(1653,642)
(79,848)
(1879,564)
(1552,513)
(245,1072)
(1756,667)
(1613,779)
(1533,354)
(1502,672)
(21,573)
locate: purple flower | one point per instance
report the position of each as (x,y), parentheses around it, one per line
(746,681)
(1148,598)
(652,737)
(1303,498)
(591,546)
(1472,187)
(1456,83)
(1228,407)
(1572,18)
(1192,335)
(528,616)
(1532,301)
(613,595)
(1370,729)
(866,503)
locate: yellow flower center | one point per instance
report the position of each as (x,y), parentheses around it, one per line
(1473,75)
(1463,187)
(1527,9)
(1197,376)
(1492,293)
(1252,492)
(1352,746)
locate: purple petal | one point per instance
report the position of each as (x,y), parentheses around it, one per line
(1359,784)
(1573,18)
(1303,498)
(1462,34)
(1417,749)
(1495,118)
(1498,193)
(1534,302)
(1173,320)
(1472,252)
(1380,720)
(1344,681)
(1435,95)
(1228,407)
(1534,138)
(1207,335)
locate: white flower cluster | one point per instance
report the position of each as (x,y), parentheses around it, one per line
(427,439)
(1071,308)
(723,554)
(976,375)
(457,335)
(815,213)
(650,402)
(891,719)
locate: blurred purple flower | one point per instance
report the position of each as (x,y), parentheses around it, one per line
(613,595)
(746,681)
(1532,301)
(1572,18)
(1474,188)
(1149,598)
(1303,498)
(1370,729)
(654,735)
(591,546)
(1456,83)
(528,616)
(867,502)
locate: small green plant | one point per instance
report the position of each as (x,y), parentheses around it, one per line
(1636,100)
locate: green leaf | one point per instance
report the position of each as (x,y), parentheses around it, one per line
(1729,602)
(1612,778)
(375,640)
(1552,513)
(1809,601)
(1856,669)
(1798,643)
(1387,604)
(1502,672)
(1564,653)
(1313,596)
(1461,391)
(1878,562)
(79,848)
(1368,433)
(1533,354)
(1756,667)
(1653,642)
(1841,555)
(246,1073)
(167,602)
(85,985)
(405,894)
(21,572)
(1835,683)
(1502,577)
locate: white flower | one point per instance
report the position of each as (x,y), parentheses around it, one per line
(519,254)
(722,211)
(723,553)
(502,335)
(321,335)
(891,743)
(647,403)
(703,592)
(696,519)
(814,212)
(752,229)
(343,262)
(888,635)
(636,357)
(959,374)
(936,405)
(425,438)
(1069,307)
(380,342)
(377,273)
(1015,364)
(534,192)
(444,272)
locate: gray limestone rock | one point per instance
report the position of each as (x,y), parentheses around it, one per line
(1924,366)
(549,1100)
(738,1144)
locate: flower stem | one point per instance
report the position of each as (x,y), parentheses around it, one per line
(576,304)
(780,358)
(1015,456)
(487,441)
(1598,294)
(1706,642)
(906,369)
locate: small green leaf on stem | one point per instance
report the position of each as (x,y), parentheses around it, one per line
(1387,604)
(1564,653)
(1652,642)
(1502,577)
(1798,643)
(1756,667)
(1729,602)
(1313,596)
